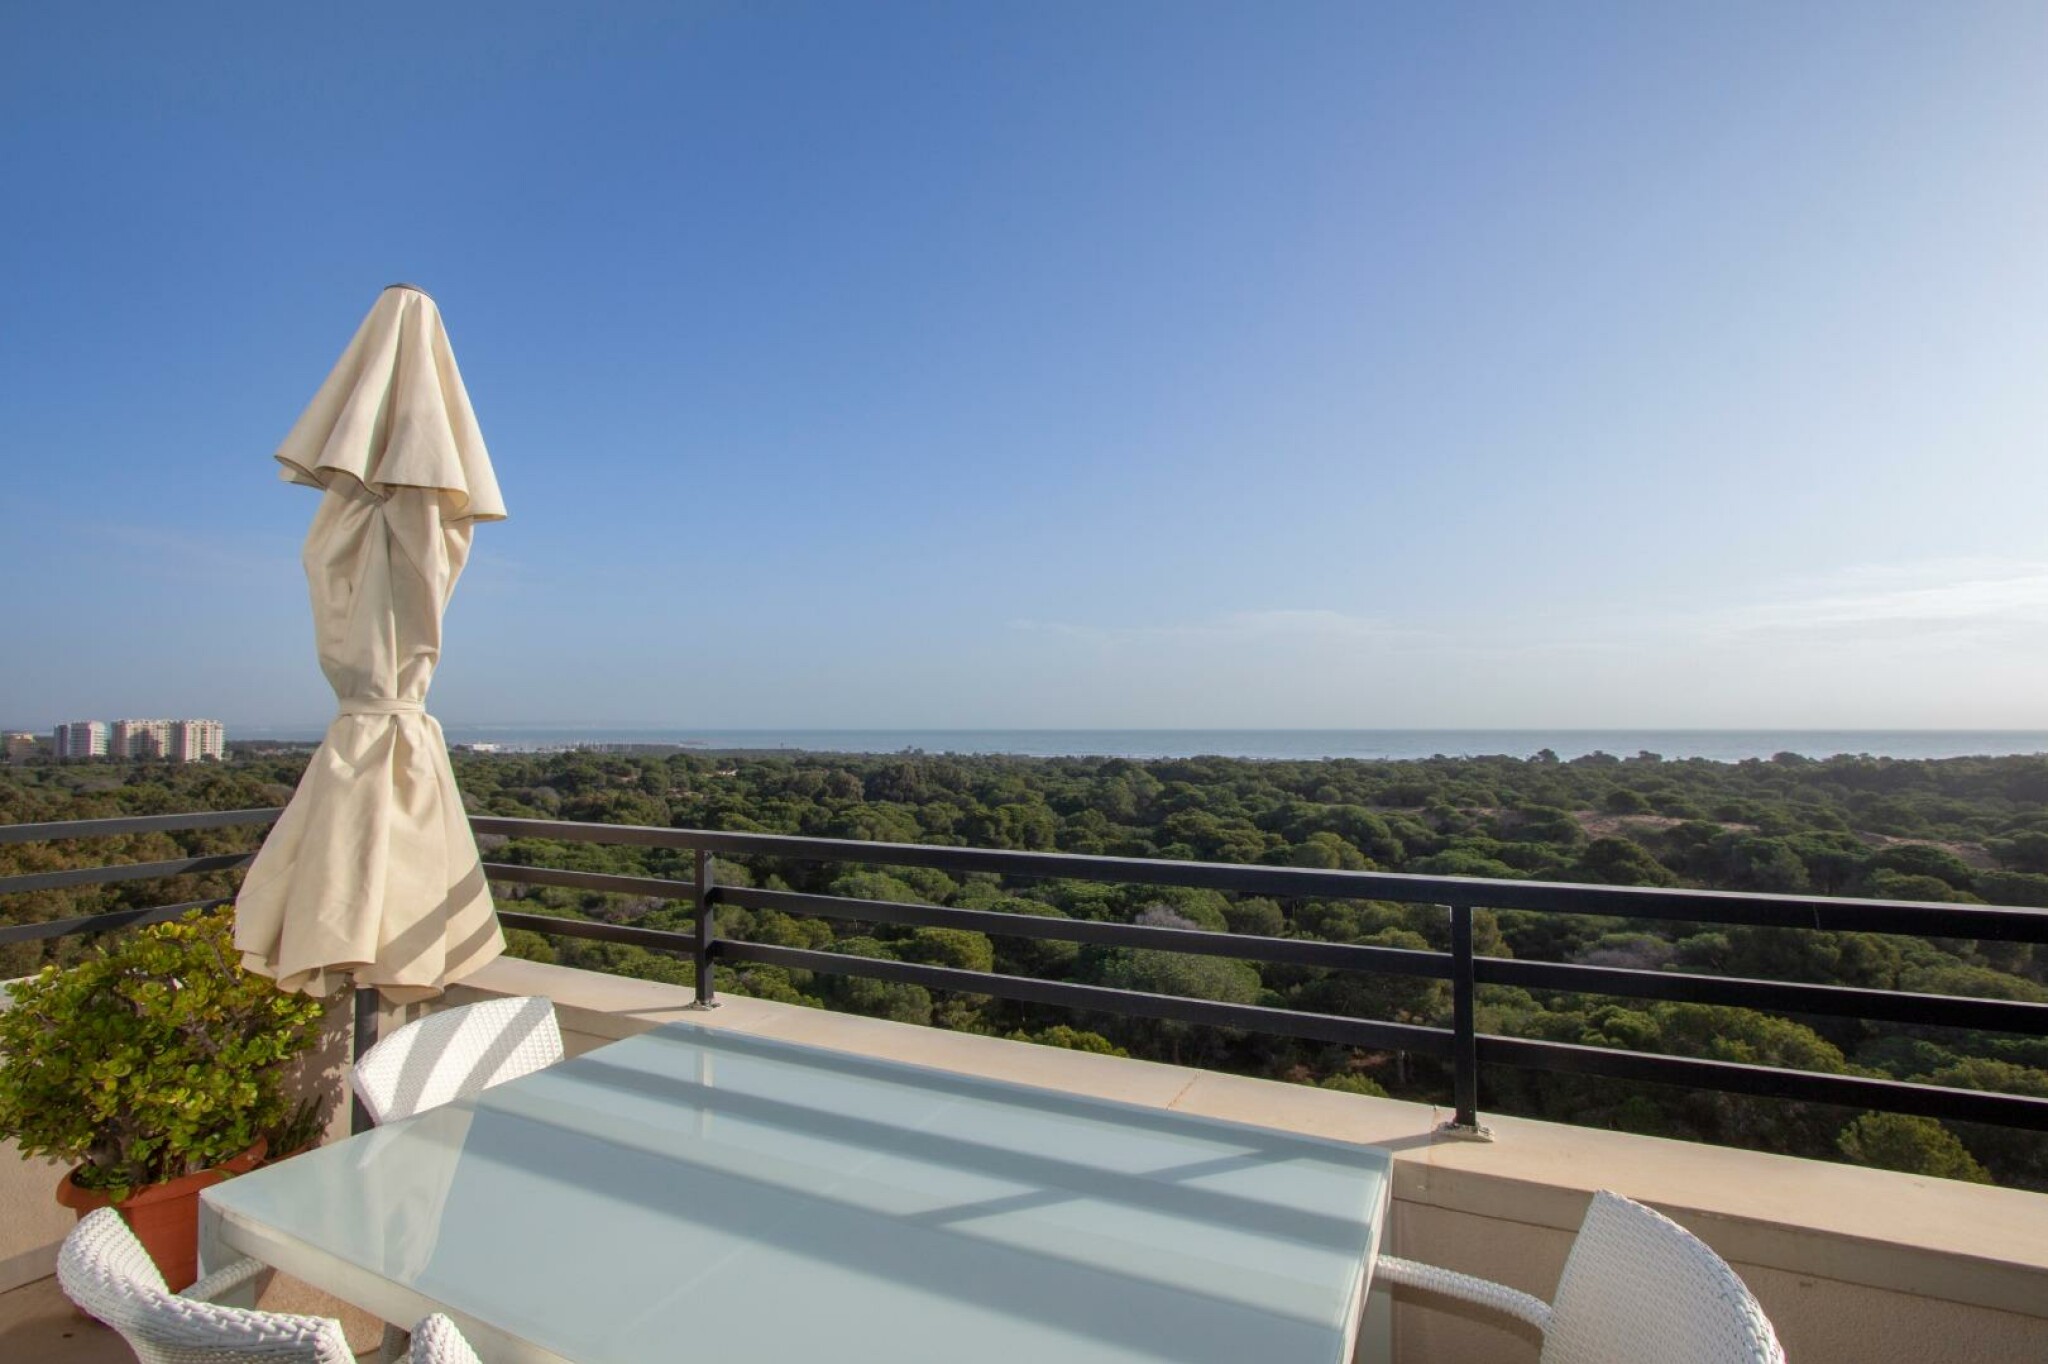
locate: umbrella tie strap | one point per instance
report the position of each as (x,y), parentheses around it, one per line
(380,705)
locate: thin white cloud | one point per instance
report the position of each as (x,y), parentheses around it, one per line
(1976,595)
(1280,623)
(492,574)
(1938,603)
(186,554)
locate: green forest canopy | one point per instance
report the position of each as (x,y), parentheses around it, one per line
(1962,830)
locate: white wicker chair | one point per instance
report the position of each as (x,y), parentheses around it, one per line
(105,1270)
(436,1341)
(1636,1286)
(455,1053)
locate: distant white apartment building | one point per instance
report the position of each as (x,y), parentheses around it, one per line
(178,741)
(194,740)
(20,746)
(140,739)
(82,739)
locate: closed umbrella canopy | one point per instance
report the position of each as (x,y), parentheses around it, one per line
(372,873)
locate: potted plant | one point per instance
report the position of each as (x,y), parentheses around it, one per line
(157,1065)
(297,1132)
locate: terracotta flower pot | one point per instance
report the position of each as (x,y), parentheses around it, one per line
(165,1217)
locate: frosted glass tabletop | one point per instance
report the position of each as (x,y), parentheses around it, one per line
(700,1194)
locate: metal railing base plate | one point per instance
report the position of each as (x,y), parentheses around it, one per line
(1462,1131)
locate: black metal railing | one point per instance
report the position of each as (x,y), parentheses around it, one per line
(1461,1044)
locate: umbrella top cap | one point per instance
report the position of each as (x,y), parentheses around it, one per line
(409,288)
(393,414)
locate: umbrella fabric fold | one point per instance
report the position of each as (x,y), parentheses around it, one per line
(372,873)
(393,413)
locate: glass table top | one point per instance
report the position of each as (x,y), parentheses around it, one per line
(703,1194)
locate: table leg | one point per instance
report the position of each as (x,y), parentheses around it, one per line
(1376,1328)
(215,1254)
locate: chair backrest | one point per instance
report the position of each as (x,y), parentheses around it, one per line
(436,1340)
(1638,1286)
(455,1053)
(105,1270)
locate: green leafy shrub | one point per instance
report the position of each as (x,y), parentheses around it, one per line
(1920,1146)
(1071,1038)
(156,1057)
(1353,1084)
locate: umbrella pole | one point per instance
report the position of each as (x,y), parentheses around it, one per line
(365,1038)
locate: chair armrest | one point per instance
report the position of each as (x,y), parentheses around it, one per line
(1393,1269)
(219,1282)
(437,1340)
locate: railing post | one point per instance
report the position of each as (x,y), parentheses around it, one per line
(707,873)
(365,1038)
(1464,1122)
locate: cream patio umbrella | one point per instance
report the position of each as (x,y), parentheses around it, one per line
(371,875)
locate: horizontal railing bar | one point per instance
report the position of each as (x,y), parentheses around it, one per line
(134,824)
(127,871)
(577,831)
(1730,1077)
(659,939)
(608,882)
(1925,919)
(1907,918)
(1292,882)
(1918,918)
(1203,942)
(1352,1032)
(103,923)
(1770,996)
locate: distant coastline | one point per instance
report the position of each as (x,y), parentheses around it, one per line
(1720,745)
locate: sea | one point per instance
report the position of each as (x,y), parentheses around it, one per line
(1719,745)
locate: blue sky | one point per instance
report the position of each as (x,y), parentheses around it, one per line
(1057,364)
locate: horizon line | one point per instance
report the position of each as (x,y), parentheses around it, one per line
(643,727)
